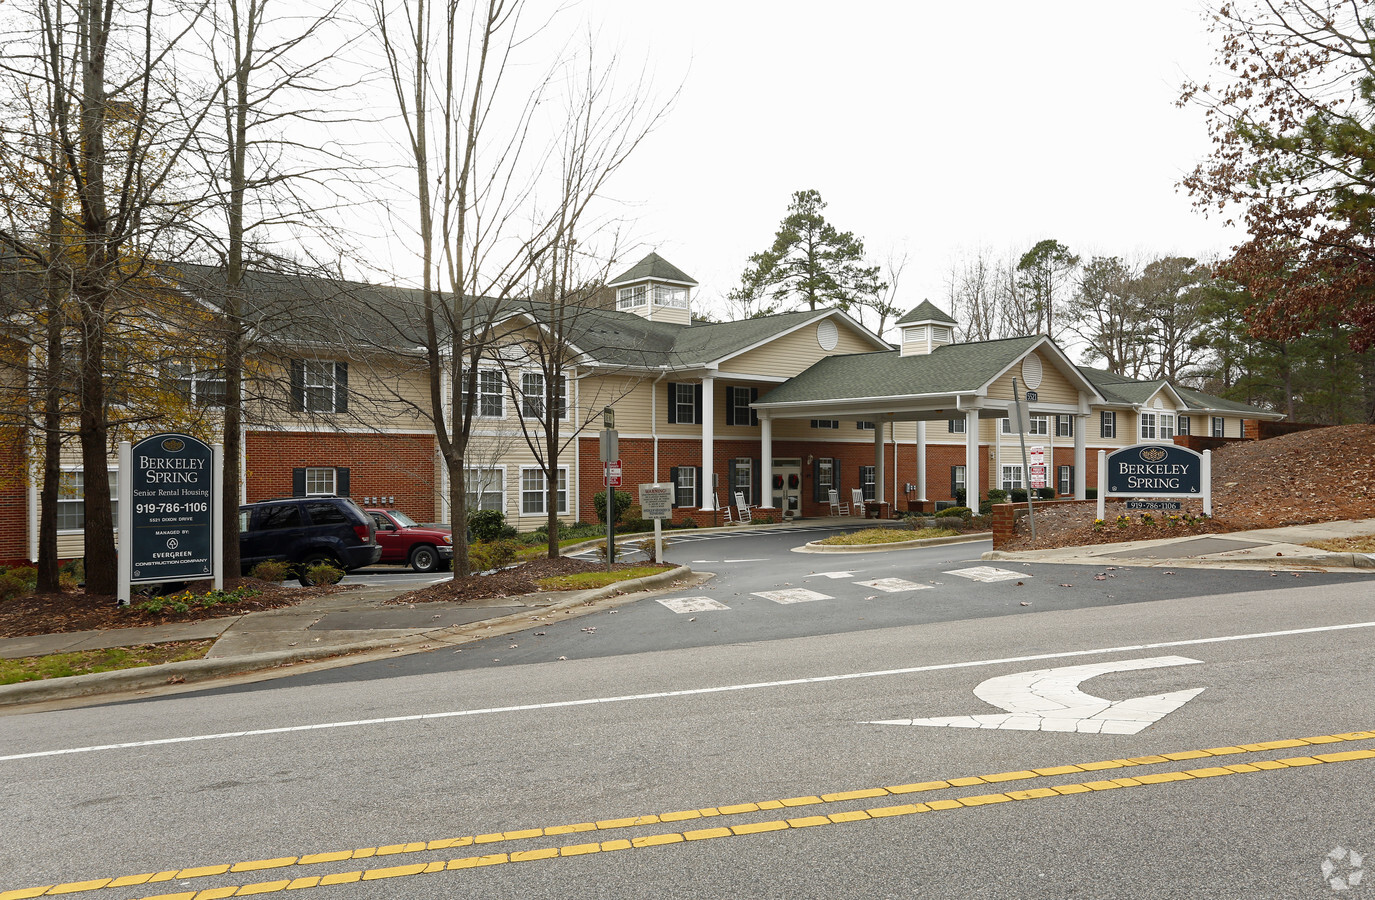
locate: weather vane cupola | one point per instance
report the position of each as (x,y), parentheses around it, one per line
(655,289)
(926,328)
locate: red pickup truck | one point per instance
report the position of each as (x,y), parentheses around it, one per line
(405,542)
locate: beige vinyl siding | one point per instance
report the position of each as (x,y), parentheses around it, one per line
(1054,388)
(794,352)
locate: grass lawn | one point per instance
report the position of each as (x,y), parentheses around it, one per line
(1364,543)
(587,580)
(83,662)
(886,536)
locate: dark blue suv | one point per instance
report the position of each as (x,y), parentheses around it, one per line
(305,531)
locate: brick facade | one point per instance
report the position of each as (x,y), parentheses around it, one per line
(14,499)
(402,466)
(1007,515)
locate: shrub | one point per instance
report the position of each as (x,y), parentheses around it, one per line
(271,570)
(963,512)
(324,573)
(1018,495)
(1091,493)
(685,523)
(484,556)
(761,520)
(634,523)
(960,497)
(1045,493)
(489,525)
(997,495)
(19,581)
(622,501)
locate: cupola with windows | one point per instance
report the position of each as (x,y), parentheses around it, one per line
(924,329)
(654,289)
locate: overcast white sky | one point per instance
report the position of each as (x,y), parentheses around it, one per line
(940,127)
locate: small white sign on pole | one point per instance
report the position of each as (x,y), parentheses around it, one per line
(656,502)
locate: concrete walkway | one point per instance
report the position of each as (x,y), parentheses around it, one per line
(1268,548)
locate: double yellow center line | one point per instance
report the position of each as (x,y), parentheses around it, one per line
(722,830)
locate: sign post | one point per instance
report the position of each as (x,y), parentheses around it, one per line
(1024,423)
(610,452)
(656,501)
(169,524)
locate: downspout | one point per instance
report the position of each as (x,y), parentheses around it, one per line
(654,417)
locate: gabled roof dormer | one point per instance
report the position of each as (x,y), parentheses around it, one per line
(655,289)
(924,329)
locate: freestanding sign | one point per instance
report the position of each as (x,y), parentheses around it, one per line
(1155,470)
(169,524)
(656,502)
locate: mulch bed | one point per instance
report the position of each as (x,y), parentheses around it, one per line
(509,583)
(79,611)
(1323,475)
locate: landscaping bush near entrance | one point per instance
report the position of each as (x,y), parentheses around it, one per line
(886,536)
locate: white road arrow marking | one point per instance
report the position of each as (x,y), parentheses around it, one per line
(1050,700)
(691,604)
(988,574)
(832,575)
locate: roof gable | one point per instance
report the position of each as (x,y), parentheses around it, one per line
(653,268)
(927,311)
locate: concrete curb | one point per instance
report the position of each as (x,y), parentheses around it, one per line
(1326,561)
(814,547)
(148,677)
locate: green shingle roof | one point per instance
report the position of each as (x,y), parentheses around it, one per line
(950,369)
(653,267)
(927,311)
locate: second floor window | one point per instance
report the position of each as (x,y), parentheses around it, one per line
(955,426)
(1147,426)
(319,385)
(202,387)
(632,297)
(684,403)
(1064,426)
(738,400)
(532,397)
(1107,424)
(825,423)
(1219,428)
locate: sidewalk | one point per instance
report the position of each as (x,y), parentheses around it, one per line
(1269,548)
(356,624)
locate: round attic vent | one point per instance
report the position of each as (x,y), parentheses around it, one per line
(1031,372)
(827,335)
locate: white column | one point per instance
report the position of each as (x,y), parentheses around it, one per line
(1080,458)
(974,488)
(708,441)
(921,461)
(879,475)
(766,462)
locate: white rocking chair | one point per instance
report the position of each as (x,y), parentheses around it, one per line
(837,508)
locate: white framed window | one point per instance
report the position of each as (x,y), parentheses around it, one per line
(825,478)
(1064,426)
(1185,426)
(866,482)
(685,403)
(632,297)
(1064,476)
(667,295)
(201,387)
(486,488)
(825,423)
(1147,426)
(1107,424)
(1038,423)
(738,406)
(320,382)
(1219,426)
(685,486)
(1167,426)
(956,426)
(320,481)
(957,480)
(864,426)
(532,486)
(532,396)
(741,478)
(71,499)
(1012,477)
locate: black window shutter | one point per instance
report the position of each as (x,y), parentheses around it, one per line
(816,482)
(673,477)
(1071,478)
(341,482)
(757,499)
(697,403)
(730,406)
(700,487)
(954,482)
(835,473)
(341,387)
(754,414)
(298,482)
(672,405)
(298,385)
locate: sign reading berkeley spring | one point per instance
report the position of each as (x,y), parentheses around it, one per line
(1155,470)
(168,510)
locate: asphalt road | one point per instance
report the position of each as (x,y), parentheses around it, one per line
(749,767)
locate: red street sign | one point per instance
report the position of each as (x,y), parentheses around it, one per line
(611,474)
